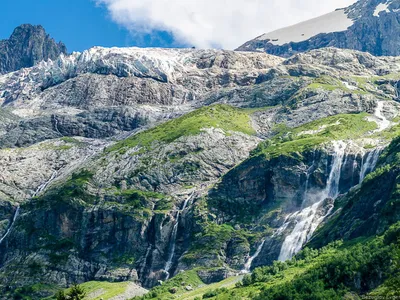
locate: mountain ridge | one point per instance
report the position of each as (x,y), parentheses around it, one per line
(27,46)
(370,26)
(182,170)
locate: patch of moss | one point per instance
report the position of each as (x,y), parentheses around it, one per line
(75,187)
(307,137)
(138,198)
(221,116)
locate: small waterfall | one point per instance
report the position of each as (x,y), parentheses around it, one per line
(307,219)
(148,251)
(247,266)
(308,174)
(249,262)
(172,244)
(369,162)
(43,186)
(56,125)
(11,225)
(383,122)
(38,190)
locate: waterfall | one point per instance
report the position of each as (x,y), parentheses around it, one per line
(249,262)
(56,125)
(11,225)
(305,224)
(38,190)
(42,187)
(382,122)
(148,251)
(371,159)
(307,219)
(308,174)
(332,185)
(172,244)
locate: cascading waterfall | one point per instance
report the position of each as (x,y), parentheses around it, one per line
(307,220)
(11,225)
(172,244)
(371,159)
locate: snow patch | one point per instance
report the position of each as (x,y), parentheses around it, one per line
(382,7)
(333,22)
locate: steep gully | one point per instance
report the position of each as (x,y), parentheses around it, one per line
(307,219)
(40,189)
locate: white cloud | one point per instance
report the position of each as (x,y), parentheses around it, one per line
(215,23)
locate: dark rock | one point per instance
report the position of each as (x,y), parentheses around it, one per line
(212,276)
(27,46)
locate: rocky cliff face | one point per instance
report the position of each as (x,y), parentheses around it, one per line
(137,164)
(27,46)
(372,26)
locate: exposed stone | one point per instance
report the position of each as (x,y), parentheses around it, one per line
(27,46)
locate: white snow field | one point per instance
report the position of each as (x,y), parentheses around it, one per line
(333,22)
(380,8)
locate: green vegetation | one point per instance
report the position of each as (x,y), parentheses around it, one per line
(137,198)
(330,84)
(339,127)
(333,272)
(174,287)
(30,292)
(218,287)
(76,292)
(391,76)
(214,293)
(73,141)
(76,186)
(224,117)
(209,241)
(327,83)
(344,270)
(102,290)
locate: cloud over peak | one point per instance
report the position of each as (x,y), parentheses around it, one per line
(215,23)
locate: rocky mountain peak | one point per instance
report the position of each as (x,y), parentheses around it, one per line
(28,45)
(371,26)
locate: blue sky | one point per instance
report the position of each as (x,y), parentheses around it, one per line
(80,24)
(227,24)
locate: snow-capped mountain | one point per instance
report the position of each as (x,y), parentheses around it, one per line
(125,168)
(368,25)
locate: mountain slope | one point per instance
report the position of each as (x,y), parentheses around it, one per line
(27,46)
(372,26)
(137,164)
